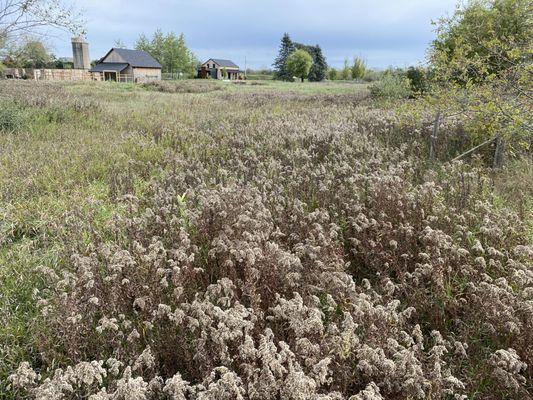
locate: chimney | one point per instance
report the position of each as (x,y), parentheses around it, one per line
(80,53)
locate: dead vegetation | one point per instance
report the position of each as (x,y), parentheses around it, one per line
(273,246)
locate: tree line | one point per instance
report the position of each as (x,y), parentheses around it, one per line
(297,60)
(356,71)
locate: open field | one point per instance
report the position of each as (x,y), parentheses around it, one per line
(271,240)
(272,86)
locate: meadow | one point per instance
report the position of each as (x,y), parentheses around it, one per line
(206,240)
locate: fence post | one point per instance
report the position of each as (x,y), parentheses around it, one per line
(434,136)
(497,161)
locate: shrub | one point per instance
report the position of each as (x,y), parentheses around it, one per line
(373,75)
(418,80)
(391,87)
(11,117)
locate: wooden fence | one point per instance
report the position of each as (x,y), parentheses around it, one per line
(66,75)
(498,156)
(125,78)
(52,74)
(73,75)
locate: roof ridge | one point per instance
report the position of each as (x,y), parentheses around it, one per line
(136,58)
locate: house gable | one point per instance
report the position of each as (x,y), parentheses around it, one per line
(113,56)
(219,64)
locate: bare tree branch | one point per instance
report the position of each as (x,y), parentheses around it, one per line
(29,16)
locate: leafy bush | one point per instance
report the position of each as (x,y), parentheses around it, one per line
(418,80)
(392,87)
(373,75)
(481,61)
(11,117)
(332,74)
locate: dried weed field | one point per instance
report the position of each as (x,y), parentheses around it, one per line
(266,241)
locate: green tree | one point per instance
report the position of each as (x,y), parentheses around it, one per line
(157,45)
(184,60)
(332,74)
(346,71)
(143,43)
(299,64)
(170,51)
(483,56)
(319,68)
(280,64)
(31,53)
(358,68)
(483,39)
(61,63)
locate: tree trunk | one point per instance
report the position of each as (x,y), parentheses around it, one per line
(302,80)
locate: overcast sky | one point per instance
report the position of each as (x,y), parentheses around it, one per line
(384,32)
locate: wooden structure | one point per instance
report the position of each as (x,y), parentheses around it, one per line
(65,75)
(123,65)
(220,69)
(51,74)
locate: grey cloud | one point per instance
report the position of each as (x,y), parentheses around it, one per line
(385,32)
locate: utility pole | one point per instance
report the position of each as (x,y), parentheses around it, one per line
(245,67)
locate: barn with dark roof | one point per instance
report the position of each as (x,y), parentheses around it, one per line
(217,68)
(124,65)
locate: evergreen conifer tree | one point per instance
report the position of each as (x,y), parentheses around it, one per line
(280,64)
(320,66)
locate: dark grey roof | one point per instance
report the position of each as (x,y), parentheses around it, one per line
(117,67)
(225,63)
(136,58)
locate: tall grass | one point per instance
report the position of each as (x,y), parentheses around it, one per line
(252,243)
